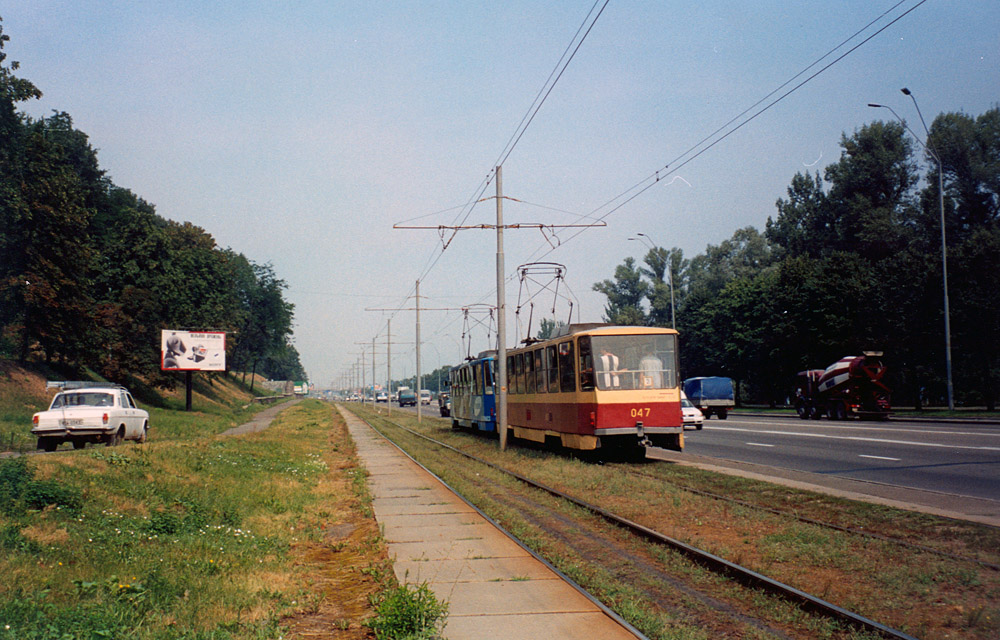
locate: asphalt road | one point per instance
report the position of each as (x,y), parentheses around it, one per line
(957,459)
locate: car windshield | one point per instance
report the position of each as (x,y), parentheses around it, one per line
(87,399)
(635,361)
(686,403)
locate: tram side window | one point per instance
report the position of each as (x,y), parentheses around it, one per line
(539,358)
(586,365)
(510,374)
(519,373)
(553,368)
(529,372)
(567,374)
(488,376)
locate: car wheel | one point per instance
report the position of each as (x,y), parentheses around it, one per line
(802,409)
(115,439)
(48,444)
(79,444)
(145,432)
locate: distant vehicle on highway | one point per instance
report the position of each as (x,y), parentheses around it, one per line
(89,412)
(425,396)
(407,398)
(444,404)
(711,395)
(381,396)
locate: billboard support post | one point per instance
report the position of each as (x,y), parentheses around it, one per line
(187,395)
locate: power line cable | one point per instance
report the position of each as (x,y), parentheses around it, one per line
(658,175)
(554,76)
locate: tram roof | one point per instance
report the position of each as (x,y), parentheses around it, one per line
(602,328)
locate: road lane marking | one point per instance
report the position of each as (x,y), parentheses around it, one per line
(759,444)
(861,455)
(857,439)
(869,427)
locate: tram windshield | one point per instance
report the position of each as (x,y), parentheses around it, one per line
(629,362)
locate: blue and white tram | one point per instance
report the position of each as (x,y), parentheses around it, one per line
(473,401)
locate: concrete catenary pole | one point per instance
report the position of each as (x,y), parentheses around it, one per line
(500,384)
(419,413)
(388,363)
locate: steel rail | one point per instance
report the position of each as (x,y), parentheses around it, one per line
(747,577)
(820,523)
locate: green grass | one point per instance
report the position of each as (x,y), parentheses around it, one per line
(191,537)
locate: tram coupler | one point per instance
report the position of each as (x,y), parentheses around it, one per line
(641,433)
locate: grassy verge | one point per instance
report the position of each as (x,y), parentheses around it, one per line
(192,536)
(928,595)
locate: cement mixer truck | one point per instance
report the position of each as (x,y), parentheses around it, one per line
(850,387)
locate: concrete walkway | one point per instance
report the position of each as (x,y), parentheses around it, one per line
(261,420)
(494,588)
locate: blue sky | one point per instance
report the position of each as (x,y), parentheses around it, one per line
(299,133)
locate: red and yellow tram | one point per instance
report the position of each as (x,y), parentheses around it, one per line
(597,386)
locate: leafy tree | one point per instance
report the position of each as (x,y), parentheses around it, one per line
(625,295)
(666,271)
(90,274)
(266,316)
(51,254)
(283,364)
(969,149)
(977,341)
(970,152)
(13,210)
(802,226)
(867,208)
(871,193)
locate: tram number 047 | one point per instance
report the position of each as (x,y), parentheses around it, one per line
(640,412)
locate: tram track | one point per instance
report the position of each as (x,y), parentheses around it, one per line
(742,575)
(819,523)
(628,469)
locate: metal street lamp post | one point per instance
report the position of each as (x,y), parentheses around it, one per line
(944,245)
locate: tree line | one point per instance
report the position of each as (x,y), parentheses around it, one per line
(850,262)
(90,274)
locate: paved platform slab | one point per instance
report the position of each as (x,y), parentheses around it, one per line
(494,588)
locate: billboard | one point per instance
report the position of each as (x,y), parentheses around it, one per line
(192,350)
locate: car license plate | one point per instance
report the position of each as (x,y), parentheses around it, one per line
(72,422)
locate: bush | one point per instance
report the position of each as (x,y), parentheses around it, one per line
(19,490)
(39,494)
(408,613)
(14,474)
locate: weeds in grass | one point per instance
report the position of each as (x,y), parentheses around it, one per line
(408,611)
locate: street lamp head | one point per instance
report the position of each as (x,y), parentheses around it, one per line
(905,91)
(877,106)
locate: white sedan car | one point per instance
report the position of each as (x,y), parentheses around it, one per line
(691,414)
(90,413)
